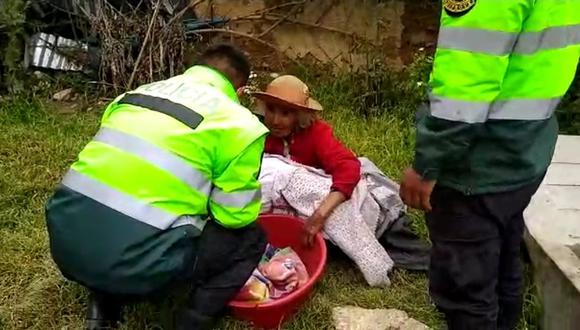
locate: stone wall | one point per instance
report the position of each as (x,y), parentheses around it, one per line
(341,32)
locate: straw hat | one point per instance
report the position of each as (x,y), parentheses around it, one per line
(290,92)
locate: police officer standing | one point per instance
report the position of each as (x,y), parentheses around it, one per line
(166,192)
(500,70)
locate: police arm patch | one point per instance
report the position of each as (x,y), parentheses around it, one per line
(458,7)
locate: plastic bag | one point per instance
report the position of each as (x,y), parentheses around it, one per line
(285,271)
(257,289)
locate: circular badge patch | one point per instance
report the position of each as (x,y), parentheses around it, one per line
(458,7)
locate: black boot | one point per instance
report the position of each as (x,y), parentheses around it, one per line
(189,319)
(103,312)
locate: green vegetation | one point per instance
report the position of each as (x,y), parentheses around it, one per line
(12,35)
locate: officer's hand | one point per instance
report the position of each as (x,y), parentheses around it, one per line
(415,192)
(312,226)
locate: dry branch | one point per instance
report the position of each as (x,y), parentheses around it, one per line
(278,22)
(183,11)
(326,11)
(265,11)
(147,35)
(287,4)
(271,17)
(138,47)
(249,36)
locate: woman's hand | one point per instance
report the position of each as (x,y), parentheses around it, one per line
(312,226)
(316,222)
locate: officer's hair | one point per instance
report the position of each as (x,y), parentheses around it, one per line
(234,57)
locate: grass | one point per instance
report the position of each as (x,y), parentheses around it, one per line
(37,144)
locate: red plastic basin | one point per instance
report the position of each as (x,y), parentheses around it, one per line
(283,231)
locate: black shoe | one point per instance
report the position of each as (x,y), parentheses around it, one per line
(188,319)
(102,313)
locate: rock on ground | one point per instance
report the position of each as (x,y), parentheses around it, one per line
(63,95)
(355,318)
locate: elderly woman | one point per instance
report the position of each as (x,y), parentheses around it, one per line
(297,132)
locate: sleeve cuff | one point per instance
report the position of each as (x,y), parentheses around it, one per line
(427,174)
(346,191)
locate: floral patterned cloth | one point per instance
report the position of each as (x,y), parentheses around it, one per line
(291,188)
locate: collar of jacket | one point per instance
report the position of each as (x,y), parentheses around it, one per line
(207,75)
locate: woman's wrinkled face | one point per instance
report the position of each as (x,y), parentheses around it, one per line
(280,121)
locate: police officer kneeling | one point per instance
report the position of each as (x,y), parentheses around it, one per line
(166,192)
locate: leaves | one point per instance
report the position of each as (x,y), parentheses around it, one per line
(12,35)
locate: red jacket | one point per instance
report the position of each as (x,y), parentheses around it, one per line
(317,146)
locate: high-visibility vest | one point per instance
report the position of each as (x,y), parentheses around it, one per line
(499,72)
(173,152)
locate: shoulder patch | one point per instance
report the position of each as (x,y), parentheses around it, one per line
(458,8)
